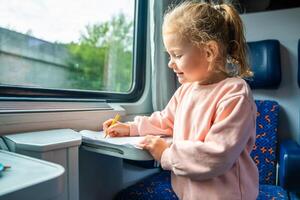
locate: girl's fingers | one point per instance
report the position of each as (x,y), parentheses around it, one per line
(107,123)
(149,139)
(113,134)
(142,142)
(112,128)
(117,130)
(141,146)
(144,146)
(146,143)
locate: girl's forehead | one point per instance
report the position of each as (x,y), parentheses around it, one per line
(174,39)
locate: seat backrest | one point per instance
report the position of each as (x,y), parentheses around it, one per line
(265,62)
(264,151)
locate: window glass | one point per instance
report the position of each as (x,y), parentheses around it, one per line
(67,44)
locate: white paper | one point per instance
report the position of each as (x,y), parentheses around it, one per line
(98,137)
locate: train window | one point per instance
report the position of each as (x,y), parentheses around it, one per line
(65,48)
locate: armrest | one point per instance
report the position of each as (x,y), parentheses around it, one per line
(289,165)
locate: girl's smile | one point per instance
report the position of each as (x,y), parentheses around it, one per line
(179,74)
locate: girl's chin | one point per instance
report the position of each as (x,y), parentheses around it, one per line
(181,80)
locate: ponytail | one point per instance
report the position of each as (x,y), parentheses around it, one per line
(237,47)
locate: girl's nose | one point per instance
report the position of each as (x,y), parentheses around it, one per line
(171,64)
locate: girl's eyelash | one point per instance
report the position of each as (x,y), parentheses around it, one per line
(175,56)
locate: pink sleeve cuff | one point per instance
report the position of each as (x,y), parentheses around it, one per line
(133,129)
(165,160)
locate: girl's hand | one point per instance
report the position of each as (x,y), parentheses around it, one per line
(117,130)
(155,145)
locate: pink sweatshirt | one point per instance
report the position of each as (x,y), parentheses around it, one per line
(213,128)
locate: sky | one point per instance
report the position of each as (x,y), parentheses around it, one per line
(59,20)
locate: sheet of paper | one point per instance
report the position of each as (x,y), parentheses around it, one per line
(98,137)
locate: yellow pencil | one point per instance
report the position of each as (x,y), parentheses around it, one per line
(117,118)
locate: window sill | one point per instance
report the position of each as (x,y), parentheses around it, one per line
(16,119)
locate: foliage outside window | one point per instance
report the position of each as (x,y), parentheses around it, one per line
(103,57)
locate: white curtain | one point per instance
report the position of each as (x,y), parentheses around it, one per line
(164,82)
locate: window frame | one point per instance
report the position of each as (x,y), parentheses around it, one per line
(12,93)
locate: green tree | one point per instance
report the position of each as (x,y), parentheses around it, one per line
(102,60)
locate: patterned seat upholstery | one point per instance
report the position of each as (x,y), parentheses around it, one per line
(264,151)
(156,187)
(264,155)
(271,192)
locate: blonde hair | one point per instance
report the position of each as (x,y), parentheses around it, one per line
(199,23)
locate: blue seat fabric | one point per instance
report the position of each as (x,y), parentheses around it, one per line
(265,62)
(155,187)
(264,150)
(272,192)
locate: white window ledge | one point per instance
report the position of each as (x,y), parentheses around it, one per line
(54,115)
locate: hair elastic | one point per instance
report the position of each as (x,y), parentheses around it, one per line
(231,66)
(217,7)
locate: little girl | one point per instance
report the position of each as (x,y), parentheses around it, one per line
(211,116)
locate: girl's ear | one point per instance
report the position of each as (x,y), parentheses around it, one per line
(212,50)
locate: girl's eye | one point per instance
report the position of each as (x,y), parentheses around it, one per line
(177,56)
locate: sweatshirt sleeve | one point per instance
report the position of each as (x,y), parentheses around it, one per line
(232,129)
(159,123)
